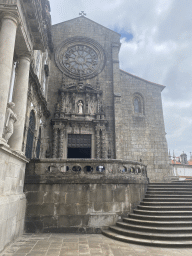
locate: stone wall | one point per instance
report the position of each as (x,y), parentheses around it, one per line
(12,198)
(69,201)
(141,135)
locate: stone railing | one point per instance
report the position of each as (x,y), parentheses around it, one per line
(84,167)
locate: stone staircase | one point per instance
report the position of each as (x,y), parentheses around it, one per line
(163,218)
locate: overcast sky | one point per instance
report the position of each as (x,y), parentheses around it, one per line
(156,45)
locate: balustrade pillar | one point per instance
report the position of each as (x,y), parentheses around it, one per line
(7,45)
(55,142)
(61,143)
(20,100)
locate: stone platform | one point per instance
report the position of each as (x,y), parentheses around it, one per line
(81,195)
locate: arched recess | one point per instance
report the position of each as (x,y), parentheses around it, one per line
(30,135)
(138,104)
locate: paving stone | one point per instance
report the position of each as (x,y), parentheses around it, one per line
(96,245)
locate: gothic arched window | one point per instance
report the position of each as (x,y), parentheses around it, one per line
(137,105)
(30,135)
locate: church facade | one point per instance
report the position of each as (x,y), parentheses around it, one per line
(116,114)
(66,108)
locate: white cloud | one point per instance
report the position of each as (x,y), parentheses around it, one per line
(160,51)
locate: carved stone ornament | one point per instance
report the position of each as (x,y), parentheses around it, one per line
(80,58)
(10,119)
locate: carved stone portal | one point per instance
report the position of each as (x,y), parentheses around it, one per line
(79,112)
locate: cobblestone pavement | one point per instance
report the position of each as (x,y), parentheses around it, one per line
(82,245)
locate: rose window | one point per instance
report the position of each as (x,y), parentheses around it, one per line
(80,59)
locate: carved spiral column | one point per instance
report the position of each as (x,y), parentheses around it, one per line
(98,143)
(62,102)
(55,142)
(61,143)
(103,143)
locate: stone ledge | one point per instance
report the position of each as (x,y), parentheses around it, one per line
(6,149)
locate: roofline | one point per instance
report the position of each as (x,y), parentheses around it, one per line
(160,85)
(91,21)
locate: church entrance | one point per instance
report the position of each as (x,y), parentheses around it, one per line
(79,146)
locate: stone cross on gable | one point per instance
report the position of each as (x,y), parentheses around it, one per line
(82,13)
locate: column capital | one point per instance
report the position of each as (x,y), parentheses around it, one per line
(11,16)
(25,56)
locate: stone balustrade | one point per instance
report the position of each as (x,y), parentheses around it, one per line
(86,167)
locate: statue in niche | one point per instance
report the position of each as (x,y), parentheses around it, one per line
(80,107)
(10,119)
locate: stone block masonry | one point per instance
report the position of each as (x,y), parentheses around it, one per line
(85,202)
(12,198)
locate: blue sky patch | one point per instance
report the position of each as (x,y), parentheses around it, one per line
(124,34)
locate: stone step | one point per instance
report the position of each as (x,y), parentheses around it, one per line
(161,217)
(148,242)
(182,192)
(156,223)
(149,235)
(166,203)
(180,183)
(165,208)
(163,213)
(149,195)
(168,198)
(160,190)
(164,230)
(170,186)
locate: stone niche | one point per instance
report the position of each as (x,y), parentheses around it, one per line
(81,195)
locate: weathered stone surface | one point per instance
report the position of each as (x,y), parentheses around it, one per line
(93,202)
(12,199)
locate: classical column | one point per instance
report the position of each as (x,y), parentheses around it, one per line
(98,143)
(61,143)
(103,143)
(20,100)
(7,45)
(55,142)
